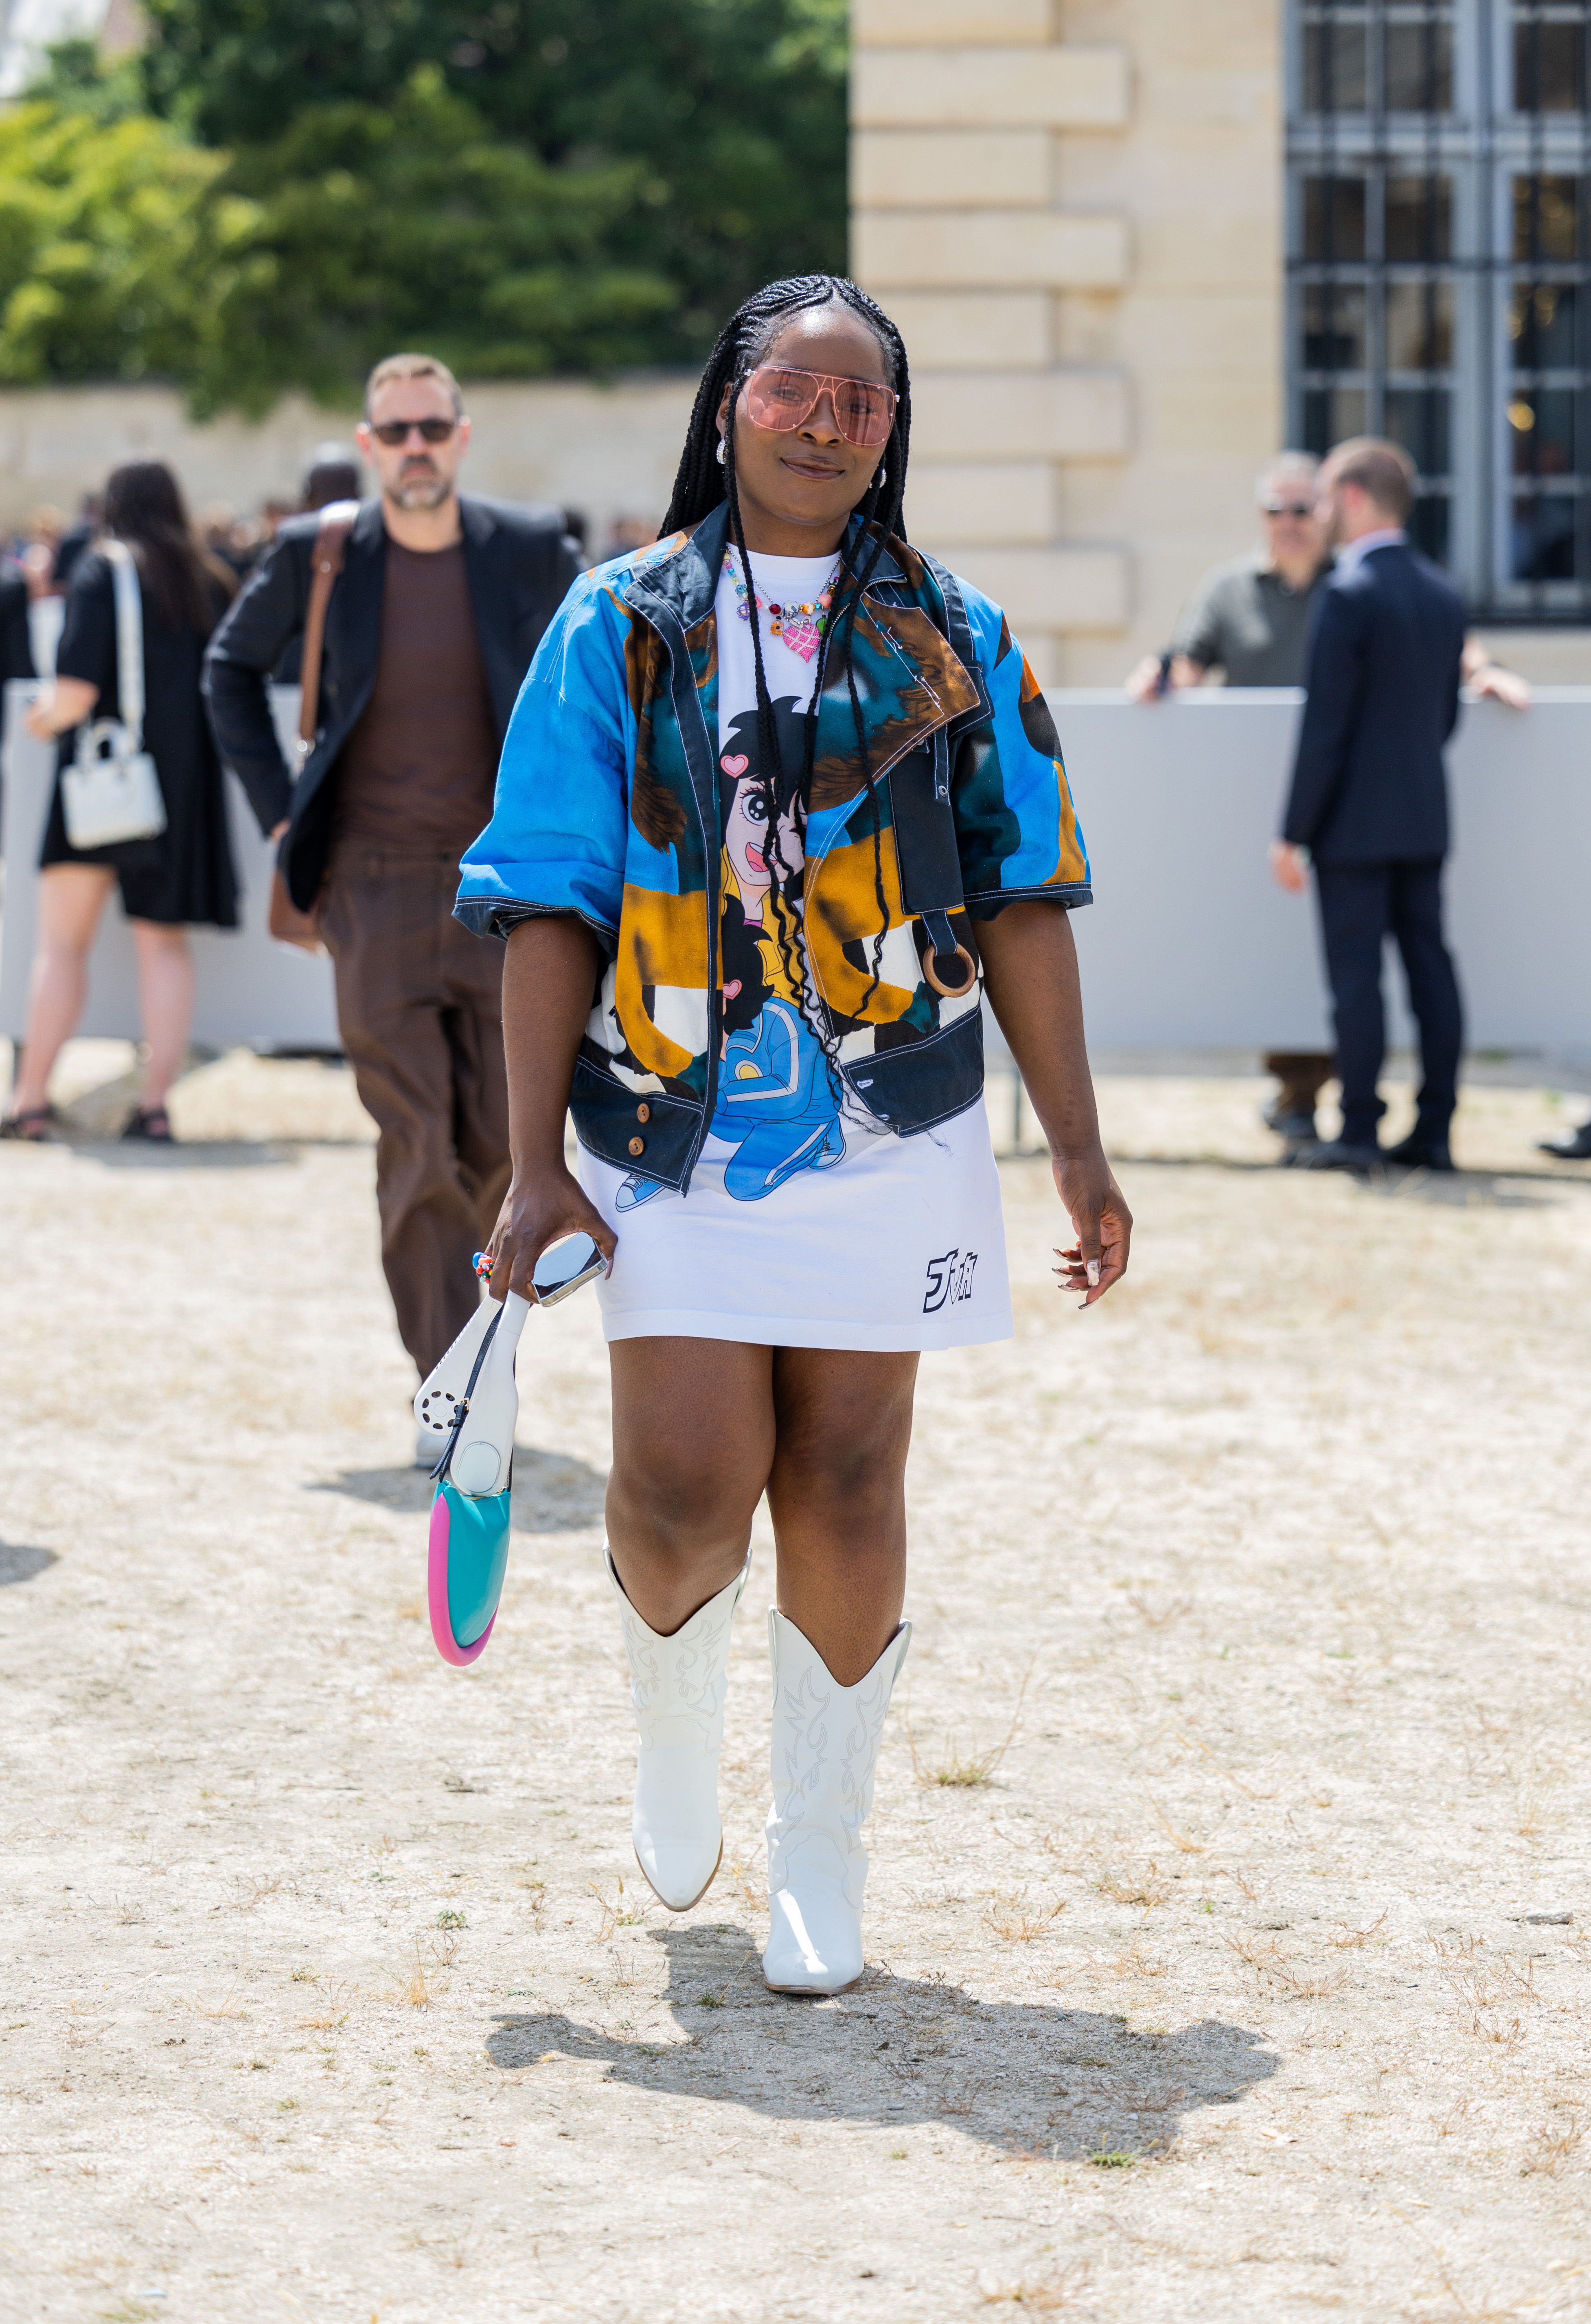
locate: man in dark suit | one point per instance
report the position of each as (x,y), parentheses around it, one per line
(432,625)
(1369,799)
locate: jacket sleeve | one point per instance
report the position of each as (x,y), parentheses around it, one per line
(1335,684)
(267,613)
(556,841)
(1016,829)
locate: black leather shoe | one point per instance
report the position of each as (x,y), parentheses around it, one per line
(1335,1155)
(1420,1154)
(1577,1148)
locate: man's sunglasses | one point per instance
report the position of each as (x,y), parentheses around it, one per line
(784,400)
(393,432)
(1287,508)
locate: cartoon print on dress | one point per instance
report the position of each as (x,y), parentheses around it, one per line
(776,1104)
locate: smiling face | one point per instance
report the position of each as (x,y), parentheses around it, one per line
(796,490)
(746,843)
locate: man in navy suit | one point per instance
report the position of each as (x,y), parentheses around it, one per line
(1368,805)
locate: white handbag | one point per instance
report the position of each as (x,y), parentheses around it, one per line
(113,793)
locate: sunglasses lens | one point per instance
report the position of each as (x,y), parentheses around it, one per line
(863,412)
(779,399)
(393,432)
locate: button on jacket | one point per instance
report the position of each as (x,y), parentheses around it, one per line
(608,806)
(519,564)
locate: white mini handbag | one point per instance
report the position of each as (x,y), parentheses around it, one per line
(113,793)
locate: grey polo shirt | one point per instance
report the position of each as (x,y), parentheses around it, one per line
(1245,617)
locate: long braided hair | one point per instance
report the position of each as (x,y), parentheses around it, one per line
(700,484)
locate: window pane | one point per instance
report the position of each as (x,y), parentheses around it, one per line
(1417,418)
(1419,218)
(1542,326)
(1334,327)
(1331,414)
(1334,217)
(1545,218)
(1428,526)
(1334,67)
(1542,426)
(1543,540)
(1420,68)
(1548,67)
(1418,326)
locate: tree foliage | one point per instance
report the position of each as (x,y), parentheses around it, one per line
(280,190)
(116,248)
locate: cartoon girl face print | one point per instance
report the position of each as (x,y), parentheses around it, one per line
(745,836)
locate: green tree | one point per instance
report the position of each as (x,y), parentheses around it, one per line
(281,190)
(729,115)
(116,252)
(380,225)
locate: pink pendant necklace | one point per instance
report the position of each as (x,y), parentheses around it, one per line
(801,627)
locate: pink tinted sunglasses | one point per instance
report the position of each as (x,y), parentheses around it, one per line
(782,400)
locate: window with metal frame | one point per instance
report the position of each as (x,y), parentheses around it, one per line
(1439,274)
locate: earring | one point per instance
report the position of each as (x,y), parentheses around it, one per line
(883,476)
(719,454)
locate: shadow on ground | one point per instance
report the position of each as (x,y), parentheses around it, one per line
(552,1492)
(19,1563)
(1035,2080)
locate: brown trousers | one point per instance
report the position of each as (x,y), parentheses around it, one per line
(419,1004)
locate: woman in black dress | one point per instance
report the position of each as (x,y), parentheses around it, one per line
(169,883)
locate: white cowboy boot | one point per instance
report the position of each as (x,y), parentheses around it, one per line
(825,1740)
(677,1687)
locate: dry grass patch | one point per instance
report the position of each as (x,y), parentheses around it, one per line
(953,1772)
(1012,1918)
(1046,2299)
(1270,1961)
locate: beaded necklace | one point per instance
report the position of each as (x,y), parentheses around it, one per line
(801,627)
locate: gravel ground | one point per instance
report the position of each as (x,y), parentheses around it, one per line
(1228,1918)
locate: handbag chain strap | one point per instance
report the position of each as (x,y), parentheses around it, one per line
(129,624)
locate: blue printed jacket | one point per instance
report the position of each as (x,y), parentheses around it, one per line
(608,806)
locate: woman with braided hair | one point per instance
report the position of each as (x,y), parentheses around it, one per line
(780,804)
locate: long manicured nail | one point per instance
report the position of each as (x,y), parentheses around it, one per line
(1093,1274)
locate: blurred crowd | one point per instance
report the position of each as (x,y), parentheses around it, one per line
(49,545)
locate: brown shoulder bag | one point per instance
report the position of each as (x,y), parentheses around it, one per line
(286,922)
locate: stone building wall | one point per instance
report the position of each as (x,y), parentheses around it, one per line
(610,451)
(1074,214)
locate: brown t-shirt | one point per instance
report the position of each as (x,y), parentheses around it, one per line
(418,770)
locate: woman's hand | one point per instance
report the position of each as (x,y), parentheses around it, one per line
(540,1208)
(552,969)
(1101,1221)
(61,704)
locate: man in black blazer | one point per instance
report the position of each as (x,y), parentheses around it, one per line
(1369,799)
(432,625)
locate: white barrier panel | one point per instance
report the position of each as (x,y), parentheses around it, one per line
(1189,944)
(249,989)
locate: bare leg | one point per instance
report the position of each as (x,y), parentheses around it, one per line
(693,1442)
(165,997)
(71,897)
(702,1426)
(838,1498)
